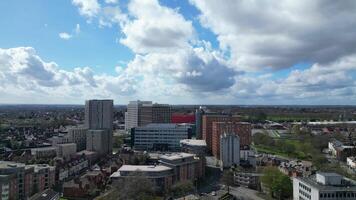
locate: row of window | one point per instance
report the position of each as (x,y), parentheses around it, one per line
(308,196)
(337,195)
(305,187)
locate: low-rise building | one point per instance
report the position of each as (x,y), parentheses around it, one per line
(340,150)
(72,168)
(194,146)
(185,166)
(197,147)
(44,152)
(296,168)
(328,186)
(161,176)
(66,150)
(159,136)
(78,135)
(247,179)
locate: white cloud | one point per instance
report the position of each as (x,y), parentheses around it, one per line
(111,1)
(77,29)
(87,8)
(65,36)
(155,28)
(275,34)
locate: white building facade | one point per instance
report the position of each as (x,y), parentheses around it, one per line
(323,186)
(229,150)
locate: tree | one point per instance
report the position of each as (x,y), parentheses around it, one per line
(182,188)
(134,187)
(279,185)
(228,179)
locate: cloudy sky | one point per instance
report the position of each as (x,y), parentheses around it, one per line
(178,51)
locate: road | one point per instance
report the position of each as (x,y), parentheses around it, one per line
(245,193)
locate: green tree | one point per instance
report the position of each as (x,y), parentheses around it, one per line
(278,184)
(182,188)
(228,179)
(134,187)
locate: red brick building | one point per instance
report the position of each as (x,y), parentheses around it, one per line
(207,125)
(183,118)
(242,129)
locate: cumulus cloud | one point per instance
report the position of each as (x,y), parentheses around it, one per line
(87,8)
(155,28)
(172,64)
(277,34)
(23,71)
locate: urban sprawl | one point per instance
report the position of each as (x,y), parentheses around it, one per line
(148,150)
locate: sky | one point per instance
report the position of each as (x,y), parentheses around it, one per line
(243,52)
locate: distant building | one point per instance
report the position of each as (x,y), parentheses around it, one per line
(198,122)
(296,168)
(242,129)
(141,113)
(159,136)
(178,118)
(99,120)
(99,114)
(185,166)
(230,150)
(330,186)
(78,135)
(207,125)
(44,152)
(66,150)
(161,176)
(98,141)
(340,150)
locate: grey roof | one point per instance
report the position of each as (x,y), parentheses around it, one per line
(311,181)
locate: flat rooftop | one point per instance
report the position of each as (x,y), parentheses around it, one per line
(144,168)
(9,165)
(311,181)
(176,156)
(192,142)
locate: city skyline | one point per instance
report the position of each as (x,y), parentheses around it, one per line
(178,52)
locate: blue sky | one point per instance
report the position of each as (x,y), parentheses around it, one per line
(177,51)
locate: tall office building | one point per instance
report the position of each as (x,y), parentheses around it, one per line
(97,140)
(230,150)
(242,129)
(99,114)
(198,122)
(140,113)
(207,125)
(99,122)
